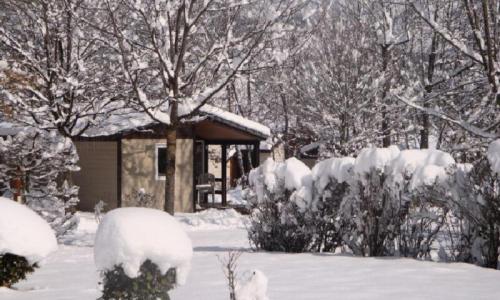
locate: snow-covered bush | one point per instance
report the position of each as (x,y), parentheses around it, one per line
(142,252)
(413,203)
(42,162)
(25,240)
(278,195)
(368,214)
(417,184)
(330,185)
(475,203)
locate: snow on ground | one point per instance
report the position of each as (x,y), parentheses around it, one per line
(234,197)
(70,273)
(212,219)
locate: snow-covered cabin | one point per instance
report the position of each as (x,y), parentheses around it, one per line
(127,154)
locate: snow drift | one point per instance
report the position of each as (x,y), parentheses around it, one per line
(24,233)
(130,236)
(253,286)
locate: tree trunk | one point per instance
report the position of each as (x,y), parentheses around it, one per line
(386,130)
(424,132)
(170,171)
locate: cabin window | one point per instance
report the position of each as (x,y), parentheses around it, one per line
(161,161)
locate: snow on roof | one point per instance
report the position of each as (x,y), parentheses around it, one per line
(24,233)
(312,146)
(235,120)
(128,120)
(130,236)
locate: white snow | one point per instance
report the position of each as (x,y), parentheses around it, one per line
(408,161)
(294,173)
(235,119)
(424,167)
(24,233)
(338,168)
(84,233)
(265,176)
(428,175)
(130,236)
(494,156)
(212,219)
(128,120)
(374,158)
(253,286)
(297,178)
(70,273)
(234,196)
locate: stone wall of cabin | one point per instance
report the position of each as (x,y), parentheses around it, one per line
(139,172)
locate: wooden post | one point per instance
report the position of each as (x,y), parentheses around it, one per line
(205,168)
(224,174)
(256,156)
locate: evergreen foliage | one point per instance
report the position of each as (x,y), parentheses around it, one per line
(151,284)
(14,268)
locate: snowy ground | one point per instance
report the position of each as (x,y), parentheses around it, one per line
(70,273)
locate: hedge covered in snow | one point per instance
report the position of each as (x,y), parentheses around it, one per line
(141,251)
(25,240)
(415,203)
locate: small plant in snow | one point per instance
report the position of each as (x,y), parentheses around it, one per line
(251,286)
(229,266)
(98,210)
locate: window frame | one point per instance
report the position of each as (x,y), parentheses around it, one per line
(159,177)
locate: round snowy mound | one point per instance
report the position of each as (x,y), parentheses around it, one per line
(24,233)
(130,236)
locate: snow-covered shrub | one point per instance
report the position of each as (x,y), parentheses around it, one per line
(42,162)
(417,184)
(475,202)
(330,185)
(25,240)
(142,253)
(278,196)
(368,214)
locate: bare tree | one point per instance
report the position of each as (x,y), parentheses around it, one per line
(229,267)
(57,74)
(176,56)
